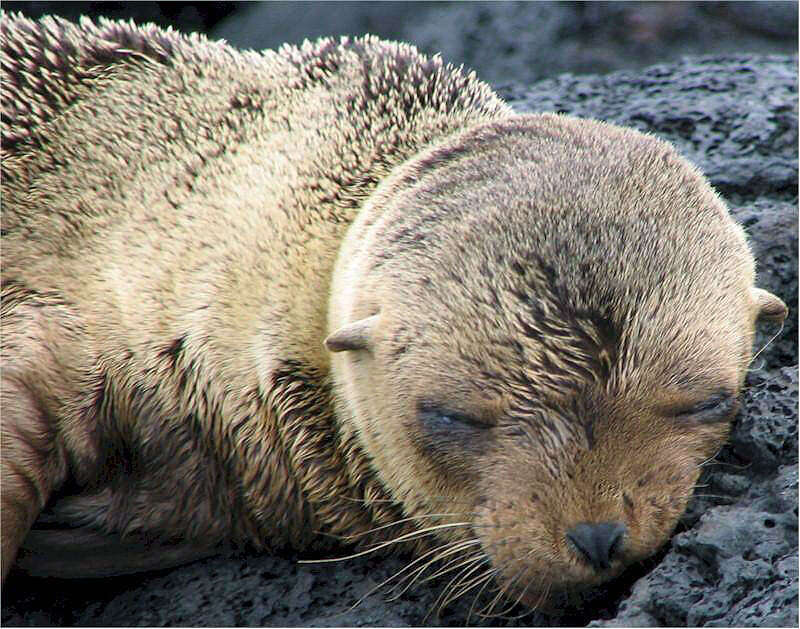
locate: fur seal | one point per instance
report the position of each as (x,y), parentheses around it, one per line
(342,291)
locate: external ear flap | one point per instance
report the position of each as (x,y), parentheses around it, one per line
(353,336)
(770,307)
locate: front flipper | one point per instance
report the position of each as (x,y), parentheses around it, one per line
(84,552)
(31,464)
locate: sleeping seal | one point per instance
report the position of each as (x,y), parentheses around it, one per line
(340,291)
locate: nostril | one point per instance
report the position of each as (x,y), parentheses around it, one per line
(597,543)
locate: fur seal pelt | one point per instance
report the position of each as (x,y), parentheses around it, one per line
(340,291)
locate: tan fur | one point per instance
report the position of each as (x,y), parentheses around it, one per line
(173,213)
(577,288)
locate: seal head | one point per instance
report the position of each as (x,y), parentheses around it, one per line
(540,328)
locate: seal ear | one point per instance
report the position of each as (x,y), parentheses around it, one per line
(770,307)
(356,335)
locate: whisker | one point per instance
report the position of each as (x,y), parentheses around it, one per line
(466,586)
(511,604)
(443,594)
(490,575)
(519,599)
(369,501)
(396,522)
(485,612)
(397,574)
(768,343)
(734,465)
(525,612)
(515,603)
(413,576)
(403,538)
(454,594)
(710,459)
(543,596)
(502,593)
(449,567)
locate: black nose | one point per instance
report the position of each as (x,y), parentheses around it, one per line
(597,542)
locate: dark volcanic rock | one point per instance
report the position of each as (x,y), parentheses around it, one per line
(733,560)
(501,41)
(526,41)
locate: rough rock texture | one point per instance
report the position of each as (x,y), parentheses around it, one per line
(737,563)
(525,41)
(733,560)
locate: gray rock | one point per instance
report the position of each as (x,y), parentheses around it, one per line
(733,560)
(735,567)
(261,25)
(527,41)
(763,437)
(501,41)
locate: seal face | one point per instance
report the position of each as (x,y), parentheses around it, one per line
(536,326)
(555,319)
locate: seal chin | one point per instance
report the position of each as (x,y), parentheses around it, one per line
(560,581)
(557,600)
(556,594)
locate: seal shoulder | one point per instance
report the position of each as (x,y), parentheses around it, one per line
(165,105)
(47,65)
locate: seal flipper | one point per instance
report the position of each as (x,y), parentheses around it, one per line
(85,552)
(31,463)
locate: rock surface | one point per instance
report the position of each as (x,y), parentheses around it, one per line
(733,560)
(525,41)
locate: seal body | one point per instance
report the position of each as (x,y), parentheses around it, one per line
(536,326)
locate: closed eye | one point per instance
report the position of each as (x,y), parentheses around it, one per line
(717,407)
(440,418)
(451,440)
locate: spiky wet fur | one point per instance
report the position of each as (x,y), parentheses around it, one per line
(171,214)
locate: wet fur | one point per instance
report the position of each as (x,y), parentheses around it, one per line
(600,290)
(165,284)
